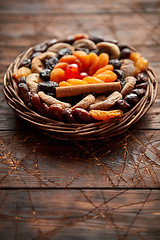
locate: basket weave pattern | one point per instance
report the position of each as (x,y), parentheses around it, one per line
(76,131)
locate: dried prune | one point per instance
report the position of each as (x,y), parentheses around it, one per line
(119,73)
(122,46)
(35,54)
(48,87)
(142,77)
(68,115)
(123,105)
(64,51)
(139,91)
(36,102)
(125,53)
(50,63)
(116,63)
(40,47)
(96,39)
(45,74)
(22,89)
(51,42)
(26,63)
(69,40)
(142,85)
(131,98)
(82,115)
(55,111)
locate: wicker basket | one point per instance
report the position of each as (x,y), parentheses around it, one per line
(76,131)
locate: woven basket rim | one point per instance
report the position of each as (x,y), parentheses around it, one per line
(76,131)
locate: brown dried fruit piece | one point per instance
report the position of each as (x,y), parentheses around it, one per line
(85,102)
(130,83)
(127,67)
(21,72)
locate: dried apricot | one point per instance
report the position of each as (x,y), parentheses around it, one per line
(83,57)
(21,72)
(93,63)
(76,81)
(64,84)
(80,36)
(107,76)
(68,59)
(140,65)
(92,80)
(57,75)
(105,115)
(61,65)
(103,60)
(134,56)
(103,69)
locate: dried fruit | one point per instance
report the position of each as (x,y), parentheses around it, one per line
(45,74)
(64,51)
(125,53)
(25,63)
(51,62)
(106,115)
(68,59)
(140,65)
(90,80)
(22,80)
(68,116)
(64,84)
(21,72)
(57,75)
(134,56)
(48,87)
(107,76)
(131,98)
(123,105)
(72,71)
(83,58)
(40,47)
(36,102)
(140,92)
(96,39)
(76,81)
(127,67)
(142,85)
(103,60)
(110,48)
(84,43)
(93,63)
(115,63)
(32,81)
(130,83)
(142,77)
(85,102)
(83,75)
(22,89)
(61,65)
(55,111)
(58,46)
(103,69)
(82,115)
(80,36)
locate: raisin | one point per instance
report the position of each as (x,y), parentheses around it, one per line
(26,63)
(40,47)
(45,74)
(68,116)
(131,98)
(55,111)
(123,105)
(64,51)
(86,50)
(125,53)
(69,40)
(140,92)
(96,39)
(82,115)
(35,54)
(142,77)
(116,63)
(51,62)
(48,87)
(142,85)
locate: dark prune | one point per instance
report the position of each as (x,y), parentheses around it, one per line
(111,41)
(96,51)
(140,92)
(116,63)
(51,42)
(142,77)
(55,111)
(64,51)
(131,98)
(96,39)
(48,87)
(86,50)
(142,85)
(69,40)
(36,102)
(82,115)
(40,47)
(35,55)
(22,89)
(125,53)
(122,46)
(45,74)
(123,105)
(68,116)
(22,80)
(50,63)
(119,73)
(26,63)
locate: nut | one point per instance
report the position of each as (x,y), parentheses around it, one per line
(58,46)
(110,48)
(37,62)
(84,43)
(32,82)
(127,67)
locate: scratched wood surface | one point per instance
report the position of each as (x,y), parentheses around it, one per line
(52,189)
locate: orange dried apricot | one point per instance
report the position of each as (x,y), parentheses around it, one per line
(84,59)
(93,63)
(103,69)
(140,65)
(57,75)
(92,80)
(68,59)
(64,84)
(23,71)
(61,65)
(134,56)
(80,36)
(74,81)
(103,60)
(107,76)
(105,115)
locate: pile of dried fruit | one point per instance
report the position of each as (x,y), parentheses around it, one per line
(82,79)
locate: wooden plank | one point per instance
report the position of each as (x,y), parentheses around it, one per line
(90,6)
(37,28)
(80,214)
(29,159)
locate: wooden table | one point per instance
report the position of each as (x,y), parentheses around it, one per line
(51,189)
